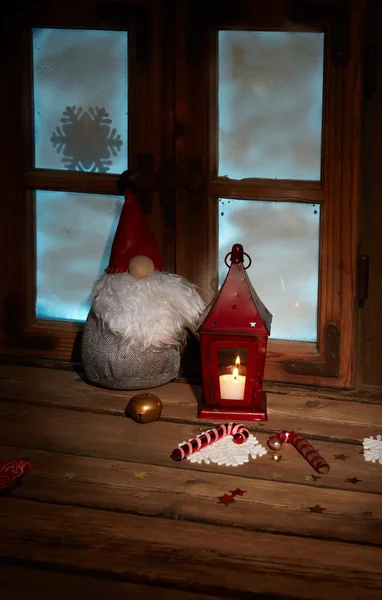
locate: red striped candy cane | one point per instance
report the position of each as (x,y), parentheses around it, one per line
(239,432)
(302,445)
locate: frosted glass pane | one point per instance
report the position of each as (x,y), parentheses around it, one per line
(74,233)
(270,88)
(282,238)
(80,99)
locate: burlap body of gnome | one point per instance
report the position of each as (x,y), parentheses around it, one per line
(140,315)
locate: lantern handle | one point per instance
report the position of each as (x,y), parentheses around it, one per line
(245,254)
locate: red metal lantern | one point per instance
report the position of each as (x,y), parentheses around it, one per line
(233,338)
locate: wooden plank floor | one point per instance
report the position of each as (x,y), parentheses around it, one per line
(103,530)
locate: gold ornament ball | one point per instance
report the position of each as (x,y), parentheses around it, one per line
(144,408)
(141,267)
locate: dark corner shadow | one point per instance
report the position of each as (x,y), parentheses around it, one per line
(191,367)
(75,359)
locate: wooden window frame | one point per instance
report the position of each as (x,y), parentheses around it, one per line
(23,336)
(338,192)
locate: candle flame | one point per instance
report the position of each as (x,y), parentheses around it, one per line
(237,361)
(235,373)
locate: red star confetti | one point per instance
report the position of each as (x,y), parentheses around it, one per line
(311,477)
(353,480)
(226,499)
(141,475)
(340,457)
(238,492)
(316,509)
(70,475)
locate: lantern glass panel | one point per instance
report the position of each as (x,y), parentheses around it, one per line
(232,363)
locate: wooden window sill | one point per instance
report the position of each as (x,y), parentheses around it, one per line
(105,522)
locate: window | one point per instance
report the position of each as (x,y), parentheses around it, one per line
(269,102)
(244,123)
(82,106)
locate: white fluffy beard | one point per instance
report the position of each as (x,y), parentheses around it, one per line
(153,312)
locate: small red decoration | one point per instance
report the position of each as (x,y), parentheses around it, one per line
(239,432)
(274,442)
(353,480)
(340,457)
(302,445)
(316,508)
(229,498)
(11,471)
(233,338)
(226,499)
(238,492)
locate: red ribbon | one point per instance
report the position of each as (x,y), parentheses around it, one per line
(11,471)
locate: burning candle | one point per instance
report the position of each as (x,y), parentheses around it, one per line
(232,385)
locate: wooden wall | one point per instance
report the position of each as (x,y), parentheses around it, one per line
(370,347)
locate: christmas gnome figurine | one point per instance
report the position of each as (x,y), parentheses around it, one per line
(138,321)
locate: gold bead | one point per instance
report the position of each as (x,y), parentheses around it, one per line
(144,408)
(277,457)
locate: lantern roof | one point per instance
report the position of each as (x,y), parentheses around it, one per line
(237,308)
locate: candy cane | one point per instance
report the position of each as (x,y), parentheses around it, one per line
(302,445)
(239,432)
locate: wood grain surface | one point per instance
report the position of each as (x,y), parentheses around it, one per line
(83,515)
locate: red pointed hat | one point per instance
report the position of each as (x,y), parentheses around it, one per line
(132,238)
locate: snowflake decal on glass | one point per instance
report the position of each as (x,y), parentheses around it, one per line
(86,139)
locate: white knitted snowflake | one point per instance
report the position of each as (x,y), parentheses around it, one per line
(372,449)
(226,452)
